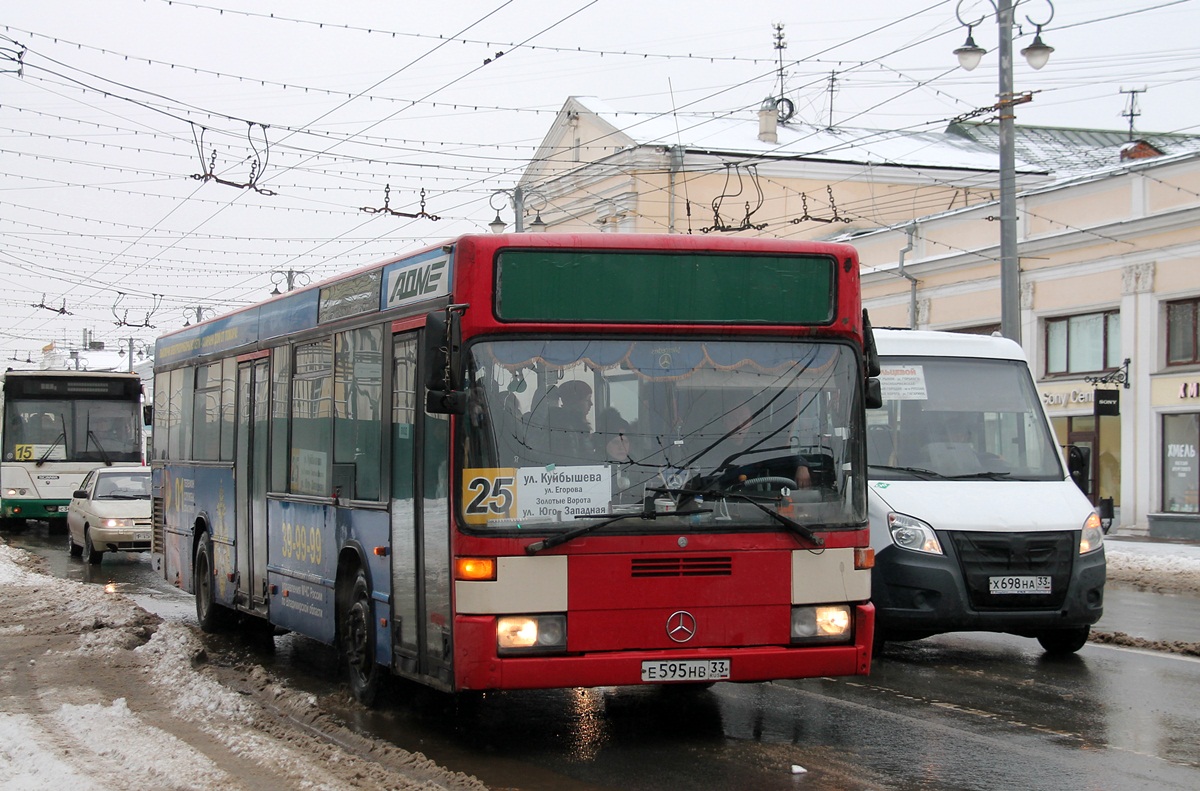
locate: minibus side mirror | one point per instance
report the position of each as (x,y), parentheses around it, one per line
(1079,465)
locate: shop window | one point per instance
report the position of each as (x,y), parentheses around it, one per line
(1180,463)
(1183,332)
(1085,343)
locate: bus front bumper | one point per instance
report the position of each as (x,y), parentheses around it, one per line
(34,509)
(478,668)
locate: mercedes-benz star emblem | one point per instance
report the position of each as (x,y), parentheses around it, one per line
(681,626)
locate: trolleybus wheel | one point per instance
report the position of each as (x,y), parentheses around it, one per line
(90,554)
(358,642)
(212,616)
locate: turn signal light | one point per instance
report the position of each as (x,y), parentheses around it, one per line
(475,569)
(864,558)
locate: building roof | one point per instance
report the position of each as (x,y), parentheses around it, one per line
(738,135)
(1068,153)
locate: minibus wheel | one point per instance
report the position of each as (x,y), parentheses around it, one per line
(1064,641)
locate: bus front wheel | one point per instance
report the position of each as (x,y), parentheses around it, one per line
(358,642)
(211,615)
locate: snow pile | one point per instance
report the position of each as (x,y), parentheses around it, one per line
(1159,567)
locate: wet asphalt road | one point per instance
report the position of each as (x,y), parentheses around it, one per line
(970,711)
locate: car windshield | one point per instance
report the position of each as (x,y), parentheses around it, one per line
(123,486)
(955,418)
(559,430)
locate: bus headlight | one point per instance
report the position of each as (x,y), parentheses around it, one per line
(822,624)
(114,522)
(911,533)
(1092,537)
(14,492)
(517,634)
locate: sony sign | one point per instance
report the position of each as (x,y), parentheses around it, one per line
(418,281)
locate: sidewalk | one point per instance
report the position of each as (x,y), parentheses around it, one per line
(1153,591)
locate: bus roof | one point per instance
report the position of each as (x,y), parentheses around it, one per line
(931,343)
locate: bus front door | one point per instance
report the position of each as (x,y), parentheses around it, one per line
(251,539)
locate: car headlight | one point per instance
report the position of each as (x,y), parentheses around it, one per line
(822,624)
(114,522)
(520,634)
(911,533)
(1092,537)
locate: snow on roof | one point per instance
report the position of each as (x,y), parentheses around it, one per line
(738,134)
(1068,153)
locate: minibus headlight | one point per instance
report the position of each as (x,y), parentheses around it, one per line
(517,634)
(830,623)
(911,533)
(1092,537)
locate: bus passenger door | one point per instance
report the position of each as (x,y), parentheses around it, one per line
(420,526)
(251,476)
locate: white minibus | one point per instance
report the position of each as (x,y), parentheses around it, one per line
(976,522)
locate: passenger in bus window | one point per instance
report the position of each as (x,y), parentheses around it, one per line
(570,431)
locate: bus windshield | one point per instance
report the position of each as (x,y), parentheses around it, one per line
(587,427)
(958,417)
(71,430)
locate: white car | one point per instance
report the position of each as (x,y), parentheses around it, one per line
(110,512)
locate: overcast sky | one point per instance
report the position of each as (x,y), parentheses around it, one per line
(115,214)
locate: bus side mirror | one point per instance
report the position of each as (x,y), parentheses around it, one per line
(148,415)
(1079,463)
(873,393)
(442,396)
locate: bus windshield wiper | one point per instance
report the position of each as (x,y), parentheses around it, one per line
(647,512)
(60,438)
(913,470)
(791,524)
(103,452)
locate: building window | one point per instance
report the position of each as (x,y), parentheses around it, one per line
(1183,332)
(1083,344)
(1180,464)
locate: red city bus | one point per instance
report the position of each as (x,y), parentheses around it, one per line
(538,460)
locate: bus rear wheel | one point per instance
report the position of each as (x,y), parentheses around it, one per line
(212,616)
(358,642)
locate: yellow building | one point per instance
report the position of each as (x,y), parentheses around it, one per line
(1109,249)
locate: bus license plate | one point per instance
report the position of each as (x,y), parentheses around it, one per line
(1011,584)
(686,670)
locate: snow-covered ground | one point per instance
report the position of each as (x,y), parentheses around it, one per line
(1154,566)
(97,694)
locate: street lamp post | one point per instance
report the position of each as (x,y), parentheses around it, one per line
(294,278)
(138,347)
(517,197)
(1036,54)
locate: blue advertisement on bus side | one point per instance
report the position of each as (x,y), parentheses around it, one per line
(304,541)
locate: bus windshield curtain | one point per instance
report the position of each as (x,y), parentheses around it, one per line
(667,358)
